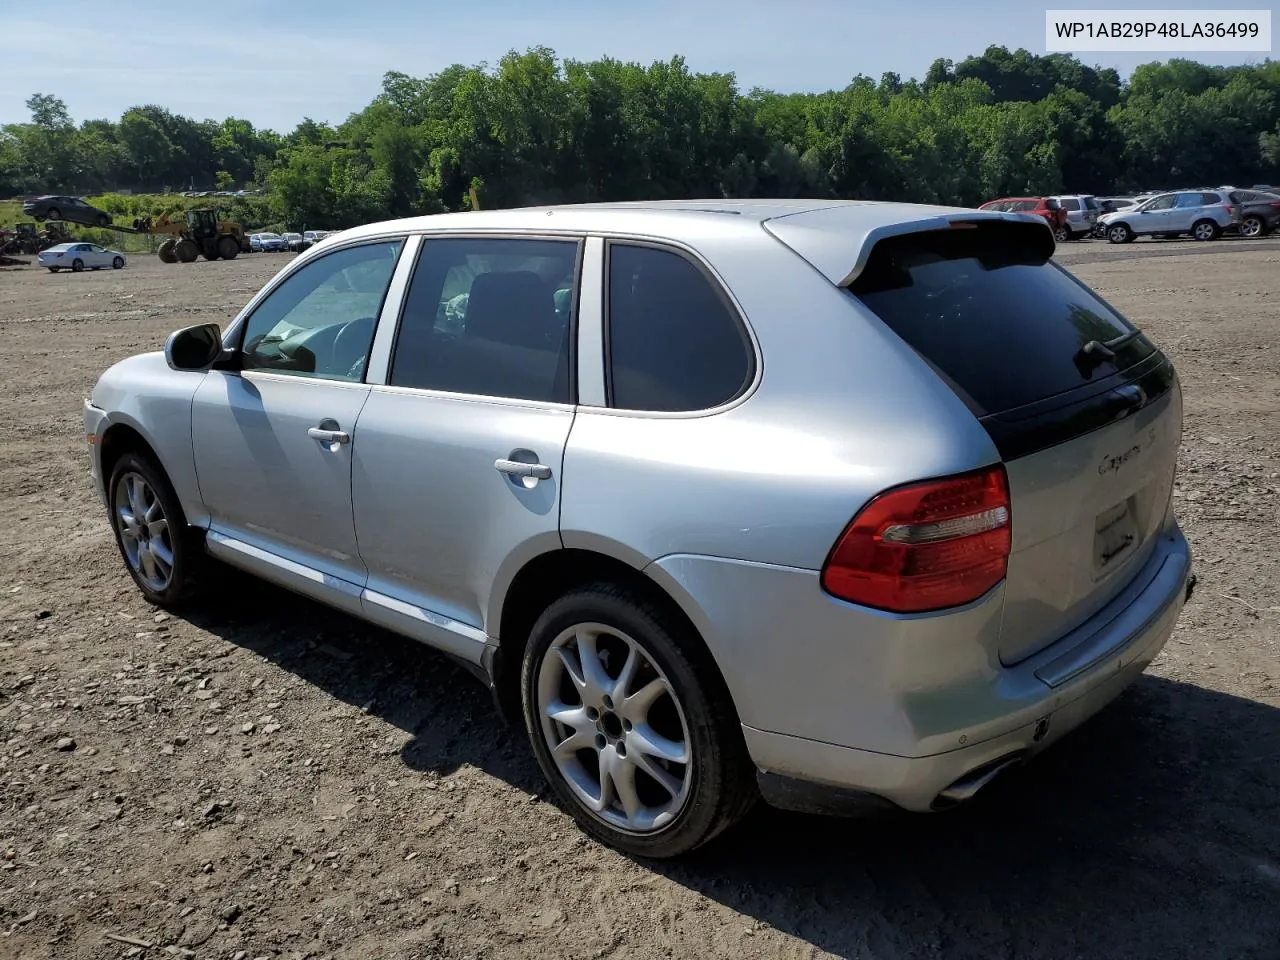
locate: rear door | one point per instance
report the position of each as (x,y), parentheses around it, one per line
(456,479)
(1088,425)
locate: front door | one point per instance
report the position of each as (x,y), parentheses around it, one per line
(456,479)
(273,438)
(1156,216)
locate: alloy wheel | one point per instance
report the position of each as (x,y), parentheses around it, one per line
(1251,227)
(615,728)
(144,531)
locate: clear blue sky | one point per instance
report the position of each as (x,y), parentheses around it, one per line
(276,61)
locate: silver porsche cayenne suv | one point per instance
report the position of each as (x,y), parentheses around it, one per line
(811,501)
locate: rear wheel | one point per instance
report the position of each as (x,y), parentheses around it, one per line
(104,220)
(54,269)
(1062,234)
(1119,233)
(228,247)
(54,214)
(160,551)
(643,751)
(209,248)
(77,265)
(1205,230)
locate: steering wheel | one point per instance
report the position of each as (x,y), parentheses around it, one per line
(350,351)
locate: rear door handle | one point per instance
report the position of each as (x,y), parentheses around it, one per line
(328,436)
(514,468)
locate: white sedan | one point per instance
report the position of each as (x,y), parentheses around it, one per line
(80,256)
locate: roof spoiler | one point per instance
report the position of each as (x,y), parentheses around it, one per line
(826,237)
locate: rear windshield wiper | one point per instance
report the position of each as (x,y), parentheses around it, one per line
(1097,351)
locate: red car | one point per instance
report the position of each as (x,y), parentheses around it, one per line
(1046,207)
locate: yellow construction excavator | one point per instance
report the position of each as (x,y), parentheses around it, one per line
(198,232)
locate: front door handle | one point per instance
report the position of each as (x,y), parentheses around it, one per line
(514,468)
(328,436)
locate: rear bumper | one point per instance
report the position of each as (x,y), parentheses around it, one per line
(839,704)
(1078,676)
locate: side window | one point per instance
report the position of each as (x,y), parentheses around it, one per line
(320,321)
(1070,203)
(490,317)
(1187,200)
(1161,203)
(674,343)
(1209,199)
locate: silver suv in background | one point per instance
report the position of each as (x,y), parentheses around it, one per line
(810,500)
(1204,214)
(1082,211)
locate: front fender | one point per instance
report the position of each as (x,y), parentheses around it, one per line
(144,394)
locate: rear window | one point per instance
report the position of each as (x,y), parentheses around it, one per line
(992,314)
(1091,203)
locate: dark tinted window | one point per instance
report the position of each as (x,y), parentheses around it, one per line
(1209,199)
(998,319)
(1091,203)
(489,317)
(674,342)
(1070,203)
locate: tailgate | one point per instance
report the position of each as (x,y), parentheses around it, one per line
(1084,411)
(1084,517)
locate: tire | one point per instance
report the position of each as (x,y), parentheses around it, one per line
(1062,234)
(1205,230)
(117,263)
(186,250)
(54,269)
(1119,233)
(165,252)
(228,247)
(77,265)
(165,584)
(53,214)
(708,792)
(1252,227)
(104,221)
(209,249)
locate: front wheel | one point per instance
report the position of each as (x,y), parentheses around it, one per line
(1206,230)
(104,220)
(638,743)
(117,263)
(54,269)
(1252,227)
(159,550)
(1119,233)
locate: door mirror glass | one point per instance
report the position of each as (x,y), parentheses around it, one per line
(194,348)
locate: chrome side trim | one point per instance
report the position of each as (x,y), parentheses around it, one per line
(591,325)
(425,615)
(284,572)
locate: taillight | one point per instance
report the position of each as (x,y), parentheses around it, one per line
(1276,204)
(925,546)
(1230,208)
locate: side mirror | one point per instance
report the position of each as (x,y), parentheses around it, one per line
(194,348)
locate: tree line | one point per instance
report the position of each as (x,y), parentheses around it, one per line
(536,129)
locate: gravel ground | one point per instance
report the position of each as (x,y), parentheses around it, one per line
(270,779)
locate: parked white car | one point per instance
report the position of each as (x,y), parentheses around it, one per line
(80,256)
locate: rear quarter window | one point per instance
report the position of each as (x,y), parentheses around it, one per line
(1070,203)
(994,317)
(673,340)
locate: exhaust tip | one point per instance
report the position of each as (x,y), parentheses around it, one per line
(967,786)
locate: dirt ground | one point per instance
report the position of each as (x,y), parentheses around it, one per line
(270,779)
